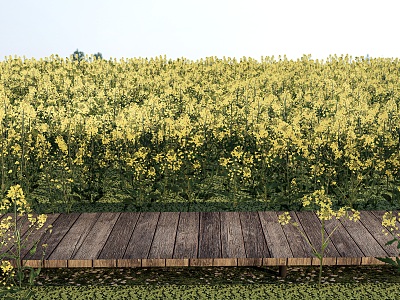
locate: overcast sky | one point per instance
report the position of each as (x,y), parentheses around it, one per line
(196,29)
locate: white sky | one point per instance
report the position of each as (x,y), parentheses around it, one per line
(199,28)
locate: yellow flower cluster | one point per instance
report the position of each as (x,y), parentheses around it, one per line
(319,117)
(15,195)
(6,270)
(239,164)
(389,221)
(325,211)
(284,218)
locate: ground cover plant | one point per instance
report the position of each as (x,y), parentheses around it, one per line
(254,291)
(359,282)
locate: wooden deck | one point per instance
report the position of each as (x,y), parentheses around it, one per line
(154,239)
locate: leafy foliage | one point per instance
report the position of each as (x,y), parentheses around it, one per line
(78,131)
(251,291)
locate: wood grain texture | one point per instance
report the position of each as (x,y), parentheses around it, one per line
(56,263)
(119,237)
(177,262)
(187,236)
(297,242)
(365,241)
(374,226)
(210,235)
(342,240)
(153,239)
(275,237)
(164,238)
(23,226)
(36,234)
(253,236)
(225,262)
(60,228)
(104,263)
(232,244)
(74,238)
(142,237)
(312,228)
(80,263)
(129,263)
(96,237)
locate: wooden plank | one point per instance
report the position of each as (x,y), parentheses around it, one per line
(29,234)
(302,252)
(55,263)
(60,228)
(129,263)
(23,226)
(201,262)
(181,262)
(153,262)
(349,252)
(365,241)
(275,237)
(74,238)
(187,236)
(232,243)
(253,236)
(275,261)
(96,237)
(371,261)
(312,228)
(210,235)
(202,239)
(252,262)
(374,226)
(36,234)
(225,262)
(379,215)
(164,238)
(104,263)
(299,261)
(80,263)
(9,233)
(142,237)
(33,263)
(119,237)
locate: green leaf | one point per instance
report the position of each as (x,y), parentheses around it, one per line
(391,242)
(33,250)
(31,276)
(388,261)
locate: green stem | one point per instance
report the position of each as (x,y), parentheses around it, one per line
(18,246)
(3,175)
(322,251)
(320,270)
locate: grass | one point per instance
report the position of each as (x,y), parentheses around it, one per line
(364,282)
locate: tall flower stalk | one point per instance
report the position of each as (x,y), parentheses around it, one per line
(12,278)
(389,221)
(325,213)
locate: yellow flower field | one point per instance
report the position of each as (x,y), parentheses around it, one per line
(274,130)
